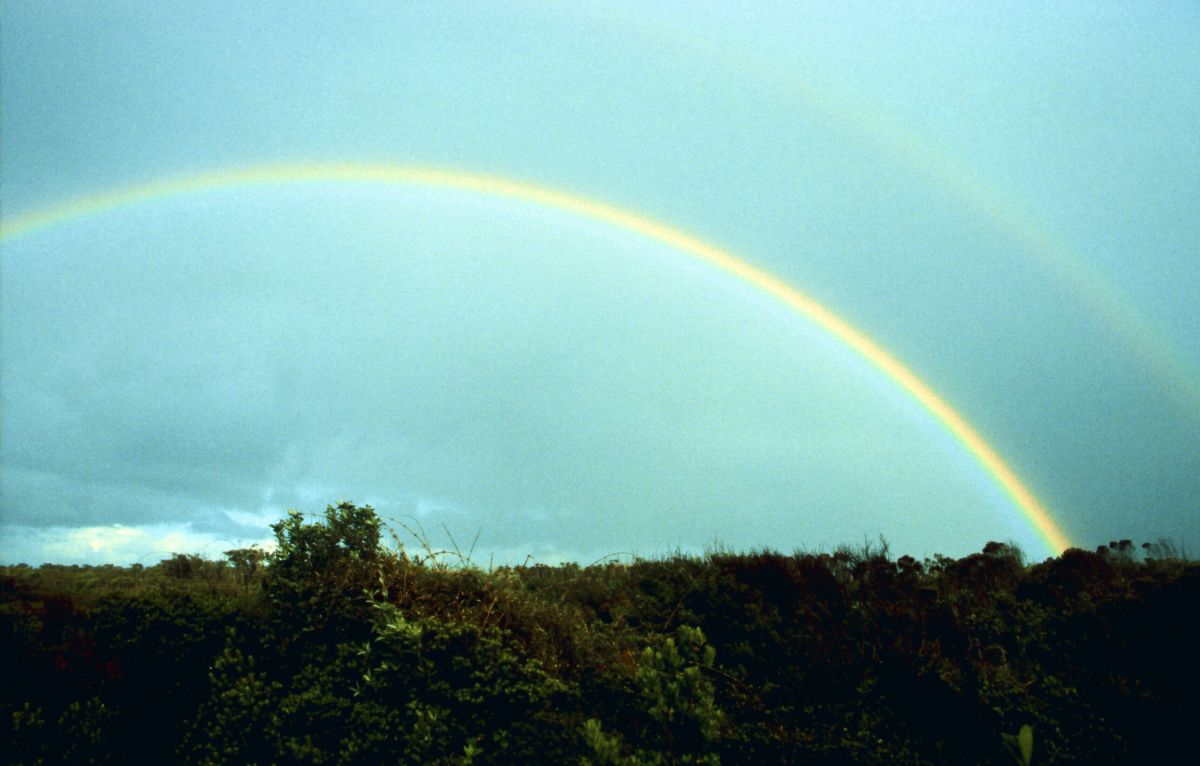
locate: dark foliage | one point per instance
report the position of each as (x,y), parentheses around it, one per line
(335,649)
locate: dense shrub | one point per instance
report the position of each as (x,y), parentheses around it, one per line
(334,649)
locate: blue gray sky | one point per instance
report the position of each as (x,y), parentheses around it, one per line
(1004,197)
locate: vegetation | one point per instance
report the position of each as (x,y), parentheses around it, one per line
(337,649)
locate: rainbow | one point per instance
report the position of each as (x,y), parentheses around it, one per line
(982,452)
(1094,290)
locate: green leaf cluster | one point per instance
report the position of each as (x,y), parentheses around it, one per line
(337,649)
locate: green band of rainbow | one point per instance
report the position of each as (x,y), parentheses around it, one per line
(763,281)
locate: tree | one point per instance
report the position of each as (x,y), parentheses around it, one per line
(247,562)
(322,563)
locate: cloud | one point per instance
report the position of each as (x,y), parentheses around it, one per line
(115,544)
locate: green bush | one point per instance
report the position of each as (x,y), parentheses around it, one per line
(349,653)
(677,698)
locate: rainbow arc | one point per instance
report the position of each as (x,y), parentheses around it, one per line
(798,302)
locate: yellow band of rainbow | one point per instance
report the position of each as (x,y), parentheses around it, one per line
(806,307)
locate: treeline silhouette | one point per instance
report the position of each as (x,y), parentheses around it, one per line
(338,649)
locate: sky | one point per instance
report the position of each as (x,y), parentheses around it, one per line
(1004,199)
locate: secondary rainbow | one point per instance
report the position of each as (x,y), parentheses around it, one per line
(1096,292)
(1040,518)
